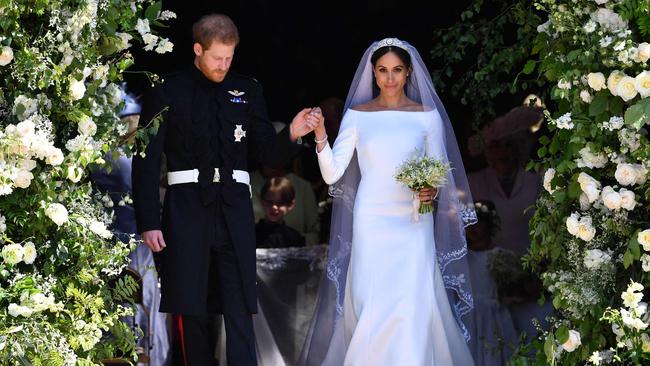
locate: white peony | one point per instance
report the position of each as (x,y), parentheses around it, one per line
(628,199)
(586,97)
(548,177)
(87,127)
(30,252)
(13,309)
(25,128)
(626,88)
(573,342)
(626,174)
(611,198)
(57,213)
(100,229)
(643,52)
(12,253)
(586,231)
(591,160)
(6,55)
(74,173)
(572,223)
(76,89)
(596,81)
(23,179)
(54,156)
(642,83)
(613,81)
(645,262)
(644,239)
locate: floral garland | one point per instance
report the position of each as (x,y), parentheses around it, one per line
(590,231)
(60,65)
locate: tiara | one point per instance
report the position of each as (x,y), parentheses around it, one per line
(390,42)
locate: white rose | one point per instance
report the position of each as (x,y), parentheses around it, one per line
(75,173)
(573,342)
(27,164)
(645,262)
(642,83)
(165,46)
(628,199)
(613,81)
(77,89)
(572,224)
(596,80)
(626,174)
(548,177)
(87,127)
(586,97)
(14,309)
(100,229)
(6,56)
(589,186)
(644,239)
(626,88)
(54,156)
(611,198)
(644,52)
(23,179)
(25,128)
(12,253)
(586,231)
(57,213)
(591,160)
(641,173)
(30,252)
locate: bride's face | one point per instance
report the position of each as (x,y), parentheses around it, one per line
(391,74)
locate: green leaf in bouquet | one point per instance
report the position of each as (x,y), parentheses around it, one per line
(562,334)
(153,10)
(529,67)
(574,189)
(633,246)
(549,347)
(635,116)
(628,258)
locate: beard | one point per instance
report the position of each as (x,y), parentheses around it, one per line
(216,75)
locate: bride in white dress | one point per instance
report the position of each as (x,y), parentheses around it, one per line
(391,304)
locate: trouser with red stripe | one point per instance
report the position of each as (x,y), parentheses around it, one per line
(198,332)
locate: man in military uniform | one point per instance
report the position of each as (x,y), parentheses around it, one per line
(213,120)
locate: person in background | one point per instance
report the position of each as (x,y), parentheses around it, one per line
(278,199)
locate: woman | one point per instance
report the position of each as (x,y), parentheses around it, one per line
(383,299)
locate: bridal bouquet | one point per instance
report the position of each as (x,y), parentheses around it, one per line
(422,172)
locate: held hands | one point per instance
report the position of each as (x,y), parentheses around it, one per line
(154,240)
(305,121)
(427,195)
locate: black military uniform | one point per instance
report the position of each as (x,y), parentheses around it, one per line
(208,265)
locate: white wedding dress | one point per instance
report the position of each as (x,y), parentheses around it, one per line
(396,311)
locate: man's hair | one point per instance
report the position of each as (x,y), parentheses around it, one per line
(215,27)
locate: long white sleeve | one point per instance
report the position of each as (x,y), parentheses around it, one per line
(436,139)
(334,161)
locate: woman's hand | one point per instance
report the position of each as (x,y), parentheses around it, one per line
(427,195)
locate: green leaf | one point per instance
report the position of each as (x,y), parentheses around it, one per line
(549,346)
(562,334)
(628,258)
(634,247)
(529,67)
(152,11)
(574,189)
(598,105)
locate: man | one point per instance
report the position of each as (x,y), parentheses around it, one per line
(213,120)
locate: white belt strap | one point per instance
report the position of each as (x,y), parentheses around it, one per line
(192,176)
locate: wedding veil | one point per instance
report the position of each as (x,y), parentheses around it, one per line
(454,212)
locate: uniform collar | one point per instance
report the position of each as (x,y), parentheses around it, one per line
(198,76)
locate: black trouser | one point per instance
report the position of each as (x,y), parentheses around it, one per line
(199,333)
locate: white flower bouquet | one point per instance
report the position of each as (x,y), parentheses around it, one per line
(421,172)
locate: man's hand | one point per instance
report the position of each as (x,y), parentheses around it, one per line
(303,123)
(154,240)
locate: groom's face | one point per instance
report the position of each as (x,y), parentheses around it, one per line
(214,62)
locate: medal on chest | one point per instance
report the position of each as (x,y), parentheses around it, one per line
(239,133)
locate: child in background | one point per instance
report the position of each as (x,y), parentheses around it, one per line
(278,199)
(495,336)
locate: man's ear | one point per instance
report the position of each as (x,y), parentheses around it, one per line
(293,204)
(198,49)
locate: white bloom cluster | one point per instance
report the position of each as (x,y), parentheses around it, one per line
(13,254)
(589,186)
(636,315)
(630,174)
(614,123)
(613,200)
(594,258)
(57,213)
(151,40)
(580,226)
(602,357)
(608,19)
(590,160)
(548,177)
(630,140)
(644,239)
(627,87)
(6,55)
(573,342)
(166,15)
(564,122)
